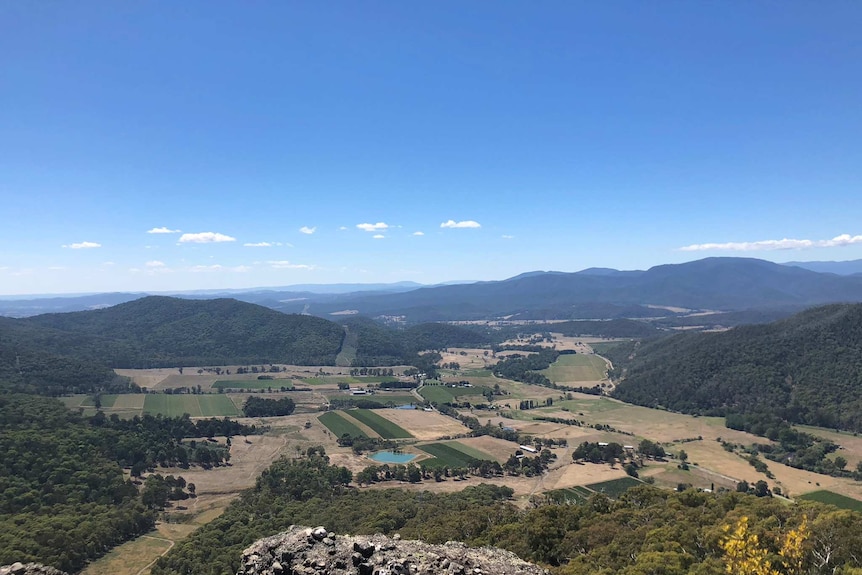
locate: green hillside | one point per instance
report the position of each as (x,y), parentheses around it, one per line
(806,369)
(164,331)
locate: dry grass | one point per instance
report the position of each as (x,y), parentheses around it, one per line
(130,557)
(423,425)
(468,358)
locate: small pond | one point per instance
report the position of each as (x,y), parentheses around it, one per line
(391,457)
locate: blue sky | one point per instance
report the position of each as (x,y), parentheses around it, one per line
(319,142)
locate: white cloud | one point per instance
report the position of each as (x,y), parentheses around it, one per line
(83,246)
(286,265)
(379,226)
(57,268)
(378,236)
(163,230)
(507,237)
(307,230)
(205,238)
(463,224)
(342,228)
(262,244)
(770,245)
(418,233)
(155,264)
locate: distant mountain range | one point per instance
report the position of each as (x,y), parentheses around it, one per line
(723,284)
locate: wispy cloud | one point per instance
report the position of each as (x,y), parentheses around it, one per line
(57,268)
(155,264)
(379,226)
(163,230)
(507,237)
(83,246)
(418,233)
(771,245)
(307,230)
(378,236)
(262,244)
(462,224)
(219,268)
(342,228)
(286,265)
(205,238)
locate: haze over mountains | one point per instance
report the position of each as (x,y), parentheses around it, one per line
(723,284)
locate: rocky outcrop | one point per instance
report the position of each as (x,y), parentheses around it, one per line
(307,551)
(29,569)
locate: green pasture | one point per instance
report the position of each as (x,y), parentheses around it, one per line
(615,487)
(574,368)
(832,498)
(445,394)
(338,425)
(379,424)
(446,456)
(469,451)
(194,405)
(252,384)
(336,379)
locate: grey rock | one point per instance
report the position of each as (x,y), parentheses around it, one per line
(297,551)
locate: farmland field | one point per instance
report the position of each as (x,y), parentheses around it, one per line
(577,495)
(194,405)
(573,368)
(212,405)
(382,426)
(350,380)
(445,394)
(831,498)
(338,425)
(252,384)
(447,455)
(615,487)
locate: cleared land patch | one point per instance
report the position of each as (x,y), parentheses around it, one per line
(424,424)
(575,368)
(382,426)
(194,405)
(339,426)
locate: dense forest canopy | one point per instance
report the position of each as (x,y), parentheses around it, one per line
(647,530)
(165,332)
(806,369)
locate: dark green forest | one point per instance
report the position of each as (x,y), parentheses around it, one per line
(166,332)
(804,369)
(647,530)
(63,496)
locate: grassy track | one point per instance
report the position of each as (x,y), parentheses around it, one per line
(446,455)
(338,425)
(574,368)
(444,394)
(615,487)
(382,426)
(832,498)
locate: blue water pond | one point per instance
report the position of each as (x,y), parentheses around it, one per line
(390,457)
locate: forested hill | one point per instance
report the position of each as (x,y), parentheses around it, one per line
(806,369)
(164,331)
